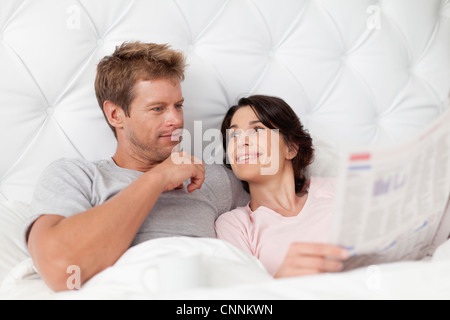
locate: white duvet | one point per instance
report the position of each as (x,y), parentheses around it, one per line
(192,268)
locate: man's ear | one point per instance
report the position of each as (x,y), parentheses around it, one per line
(114,114)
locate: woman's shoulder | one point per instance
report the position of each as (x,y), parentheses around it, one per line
(239,214)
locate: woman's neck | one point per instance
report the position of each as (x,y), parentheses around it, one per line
(278,194)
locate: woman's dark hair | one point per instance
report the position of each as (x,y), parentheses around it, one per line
(275,113)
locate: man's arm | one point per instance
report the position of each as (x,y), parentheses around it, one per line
(94,239)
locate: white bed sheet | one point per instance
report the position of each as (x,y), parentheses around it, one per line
(12,245)
(232,274)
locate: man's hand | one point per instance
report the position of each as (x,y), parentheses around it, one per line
(178,168)
(312,258)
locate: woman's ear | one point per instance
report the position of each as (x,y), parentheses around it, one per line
(114,114)
(292,151)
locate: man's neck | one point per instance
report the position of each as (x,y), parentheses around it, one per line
(132,162)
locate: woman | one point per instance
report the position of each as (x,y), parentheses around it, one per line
(286,223)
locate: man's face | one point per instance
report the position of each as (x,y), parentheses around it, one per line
(155,115)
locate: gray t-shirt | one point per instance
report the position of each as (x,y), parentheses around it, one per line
(70,186)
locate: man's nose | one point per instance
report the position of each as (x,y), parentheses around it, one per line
(174,117)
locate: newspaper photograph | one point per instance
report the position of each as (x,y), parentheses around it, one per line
(391,201)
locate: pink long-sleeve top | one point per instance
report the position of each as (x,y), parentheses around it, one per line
(267,234)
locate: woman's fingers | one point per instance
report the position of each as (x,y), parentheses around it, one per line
(312,258)
(320,249)
(317,263)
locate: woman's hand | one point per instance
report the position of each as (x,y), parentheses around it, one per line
(312,258)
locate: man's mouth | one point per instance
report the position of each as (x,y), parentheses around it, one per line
(174,135)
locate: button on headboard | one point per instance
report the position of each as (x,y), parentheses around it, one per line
(357,72)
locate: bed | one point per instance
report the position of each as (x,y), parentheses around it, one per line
(357,72)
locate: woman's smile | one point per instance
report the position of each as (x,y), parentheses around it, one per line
(244,158)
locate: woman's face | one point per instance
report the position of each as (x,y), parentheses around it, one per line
(253,149)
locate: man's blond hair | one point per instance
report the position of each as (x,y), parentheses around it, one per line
(131,62)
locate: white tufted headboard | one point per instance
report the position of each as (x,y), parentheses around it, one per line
(357,72)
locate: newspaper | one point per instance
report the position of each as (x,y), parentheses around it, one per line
(391,201)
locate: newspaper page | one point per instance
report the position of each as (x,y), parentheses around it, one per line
(391,201)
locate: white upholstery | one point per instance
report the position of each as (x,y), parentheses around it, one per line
(357,72)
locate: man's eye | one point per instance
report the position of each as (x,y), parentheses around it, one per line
(179,106)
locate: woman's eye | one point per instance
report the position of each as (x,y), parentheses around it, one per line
(233,134)
(259,129)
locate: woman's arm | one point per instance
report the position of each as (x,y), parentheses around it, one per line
(232,227)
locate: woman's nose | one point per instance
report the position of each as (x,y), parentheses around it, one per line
(244,140)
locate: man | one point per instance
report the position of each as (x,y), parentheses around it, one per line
(88,214)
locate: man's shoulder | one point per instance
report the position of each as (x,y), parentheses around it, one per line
(62,162)
(225,186)
(215,168)
(215,173)
(71,165)
(77,168)
(217,176)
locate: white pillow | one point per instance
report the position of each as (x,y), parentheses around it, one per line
(327,159)
(13,250)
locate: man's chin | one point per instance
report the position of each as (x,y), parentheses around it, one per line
(164,152)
